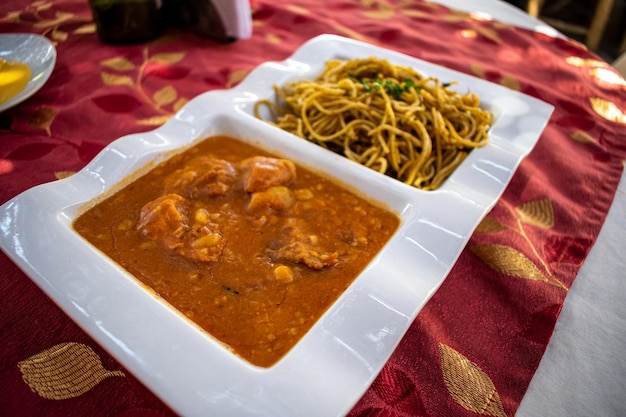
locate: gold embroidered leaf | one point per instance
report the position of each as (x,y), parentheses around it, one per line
(582,137)
(168,58)
(118,63)
(59,175)
(490,225)
(297,9)
(405,3)
(489,34)
(539,213)
(180,103)
(235,77)
(64,371)
(582,62)
(414,13)
(271,38)
(468,384)
(383,13)
(166,95)
(114,79)
(341,29)
(43,118)
(59,35)
(454,18)
(87,29)
(12,17)
(502,25)
(155,121)
(165,40)
(469,33)
(42,5)
(607,76)
(608,110)
(58,20)
(510,82)
(477,70)
(507,261)
(456,15)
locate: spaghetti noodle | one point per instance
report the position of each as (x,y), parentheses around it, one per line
(384,116)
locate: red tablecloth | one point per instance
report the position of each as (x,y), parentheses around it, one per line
(474,347)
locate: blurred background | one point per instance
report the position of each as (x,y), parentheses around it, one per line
(599,24)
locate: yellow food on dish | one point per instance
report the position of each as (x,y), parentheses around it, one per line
(14,76)
(387,117)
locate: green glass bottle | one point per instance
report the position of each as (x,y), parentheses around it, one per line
(128,21)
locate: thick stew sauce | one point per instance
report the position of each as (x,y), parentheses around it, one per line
(250,247)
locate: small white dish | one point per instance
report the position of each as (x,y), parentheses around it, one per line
(33,50)
(327,372)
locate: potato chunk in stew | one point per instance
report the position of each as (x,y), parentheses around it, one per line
(278,198)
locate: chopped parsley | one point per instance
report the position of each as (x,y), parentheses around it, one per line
(391,87)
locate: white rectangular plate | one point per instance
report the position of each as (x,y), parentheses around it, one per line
(331,367)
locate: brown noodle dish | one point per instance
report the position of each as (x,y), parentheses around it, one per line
(250,247)
(384,116)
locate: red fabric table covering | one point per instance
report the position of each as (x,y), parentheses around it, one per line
(474,347)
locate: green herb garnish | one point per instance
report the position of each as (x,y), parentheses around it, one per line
(391,87)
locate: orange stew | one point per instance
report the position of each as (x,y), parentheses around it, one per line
(248,246)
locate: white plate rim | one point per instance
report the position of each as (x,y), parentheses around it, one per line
(330,369)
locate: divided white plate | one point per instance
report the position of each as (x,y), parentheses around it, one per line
(33,50)
(332,366)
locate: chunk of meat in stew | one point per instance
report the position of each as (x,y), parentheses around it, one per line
(260,173)
(167,222)
(300,246)
(204,177)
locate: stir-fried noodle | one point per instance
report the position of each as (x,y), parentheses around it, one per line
(384,116)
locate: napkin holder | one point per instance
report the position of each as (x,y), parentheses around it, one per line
(221,20)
